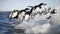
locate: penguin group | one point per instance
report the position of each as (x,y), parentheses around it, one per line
(26,13)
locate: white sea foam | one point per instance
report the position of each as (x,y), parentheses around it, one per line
(42,25)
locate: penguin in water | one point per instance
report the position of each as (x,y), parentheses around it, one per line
(52,12)
(27,16)
(13,14)
(36,9)
(10,15)
(22,14)
(46,11)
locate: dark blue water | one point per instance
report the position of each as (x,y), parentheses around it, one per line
(6,24)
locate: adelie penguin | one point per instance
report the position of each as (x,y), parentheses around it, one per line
(47,10)
(52,12)
(27,16)
(22,14)
(13,14)
(36,9)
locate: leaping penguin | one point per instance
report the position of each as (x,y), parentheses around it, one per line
(13,14)
(22,14)
(52,12)
(36,9)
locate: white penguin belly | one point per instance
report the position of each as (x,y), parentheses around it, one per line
(14,14)
(10,15)
(37,10)
(26,17)
(21,16)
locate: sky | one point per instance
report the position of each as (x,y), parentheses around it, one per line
(9,5)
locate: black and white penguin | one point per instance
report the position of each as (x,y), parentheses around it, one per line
(27,15)
(52,12)
(13,14)
(36,9)
(46,11)
(22,14)
(10,15)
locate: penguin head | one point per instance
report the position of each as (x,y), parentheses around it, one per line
(54,11)
(15,10)
(42,4)
(49,9)
(30,6)
(26,8)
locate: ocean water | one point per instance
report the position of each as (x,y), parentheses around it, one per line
(5,24)
(38,25)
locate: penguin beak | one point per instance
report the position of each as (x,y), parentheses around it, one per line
(26,9)
(30,6)
(44,4)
